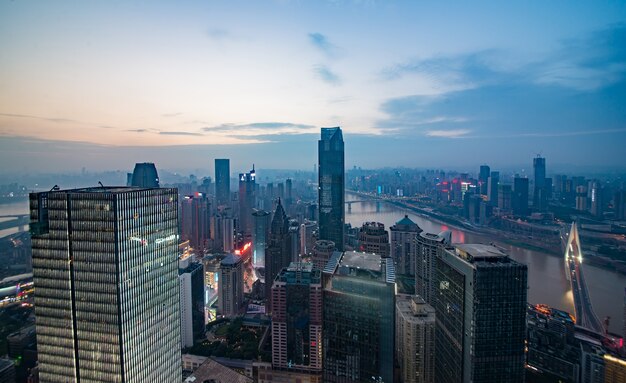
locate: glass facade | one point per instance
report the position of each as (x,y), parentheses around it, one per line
(222,181)
(359,323)
(480,302)
(331,185)
(105,267)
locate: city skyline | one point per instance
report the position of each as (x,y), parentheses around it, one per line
(508,81)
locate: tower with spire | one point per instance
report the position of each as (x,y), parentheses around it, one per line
(278,254)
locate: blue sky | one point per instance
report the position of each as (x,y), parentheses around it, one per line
(447,84)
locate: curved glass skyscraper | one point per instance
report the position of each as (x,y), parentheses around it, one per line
(331,186)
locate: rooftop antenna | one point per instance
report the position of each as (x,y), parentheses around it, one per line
(55,188)
(100,183)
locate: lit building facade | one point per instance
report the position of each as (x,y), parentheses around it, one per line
(195,221)
(105,266)
(359,311)
(331,184)
(247,201)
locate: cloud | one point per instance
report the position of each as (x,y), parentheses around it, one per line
(322,43)
(56,120)
(261,129)
(219,34)
(327,75)
(457,133)
(137,130)
(171,114)
(181,133)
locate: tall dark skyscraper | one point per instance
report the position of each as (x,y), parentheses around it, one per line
(480,301)
(195,221)
(278,253)
(359,310)
(247,201)
(540,195)
(402,245)
(145,176)
(105,266)
(483,179)
(260,236)
(493,182)
(331,183)
(222,181)
(520,196)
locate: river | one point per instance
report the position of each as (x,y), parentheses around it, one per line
(546,277)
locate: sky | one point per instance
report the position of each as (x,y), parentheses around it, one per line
(105,84)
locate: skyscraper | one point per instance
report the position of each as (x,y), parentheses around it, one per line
(504,197)
(278,254)
(359,306)
(105,266)
(145,175)
(427,246)
(494,180)
(415,339)
(480,303)
(222,181)
(483,179)
(331,183)
(373,238)
(191,276)
(260,236)
(195,221)
(247,201)
(402,242)
(230,286)
(297,318)
(540,195)
(519,201)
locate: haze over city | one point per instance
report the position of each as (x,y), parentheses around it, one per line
(411,84)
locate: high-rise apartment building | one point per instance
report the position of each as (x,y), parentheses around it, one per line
(222,181)
(493,182)
(247,201)
(297,318)
(402,245)
(278,253)
(427,246)
(415,339)
(331,184)
(359,307)
(519,200)
(483,179)
(145,176)
(260,236)
(505,194)
(322,251)
(105,266)
(540,195)
(195,221)
(373,238)
(230,287)
(191,277)
(480,303)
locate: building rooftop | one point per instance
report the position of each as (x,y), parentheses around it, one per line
(230,259)
(476,252)
(211,371)
(359,260)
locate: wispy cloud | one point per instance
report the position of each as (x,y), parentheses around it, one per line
(325,74)
(456,133)
(181,133)
(171,114)
(322,43)
(137,130)
(56,120)
(261,129)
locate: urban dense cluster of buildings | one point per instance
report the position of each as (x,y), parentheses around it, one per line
(127,277)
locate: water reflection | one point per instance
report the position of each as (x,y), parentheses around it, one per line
(546,277)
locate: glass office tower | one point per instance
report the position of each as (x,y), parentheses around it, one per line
(105,266)
(359,307)
(331,186)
